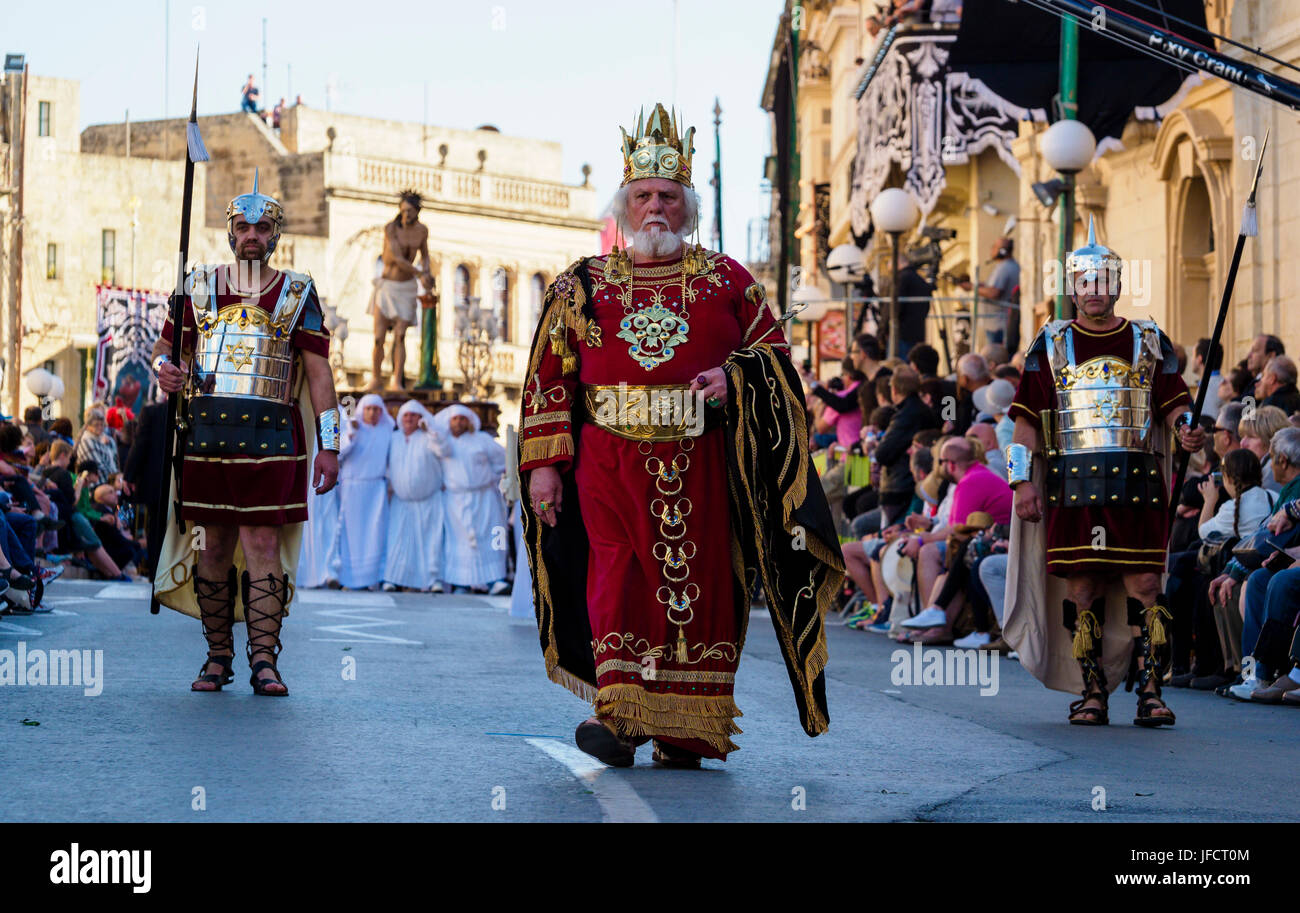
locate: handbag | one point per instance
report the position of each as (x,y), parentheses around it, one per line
(1213,555)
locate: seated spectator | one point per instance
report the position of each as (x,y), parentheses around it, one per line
(82,538)
(896,482)
(61,429)
(972,373)
(125,551)
(1277,385)
(1195,629)
(1271,593)
(995,400)
(33,418)
(1235,385)
(995,354)
(977,491)
(96,444)
(1257,435)
(1008,372)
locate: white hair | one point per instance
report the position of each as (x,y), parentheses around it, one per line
(691,198)
(973,366)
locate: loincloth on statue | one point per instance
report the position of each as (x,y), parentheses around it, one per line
(396,299)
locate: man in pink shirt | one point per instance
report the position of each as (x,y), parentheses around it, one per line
(978,489)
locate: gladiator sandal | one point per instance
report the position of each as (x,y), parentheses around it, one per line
(1086,626)
(264,628)
(1153,641)
(216,599)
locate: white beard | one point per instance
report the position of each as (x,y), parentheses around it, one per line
(657,241)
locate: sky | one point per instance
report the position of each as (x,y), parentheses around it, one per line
(561,70)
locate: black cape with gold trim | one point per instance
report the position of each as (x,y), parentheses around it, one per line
(782,534)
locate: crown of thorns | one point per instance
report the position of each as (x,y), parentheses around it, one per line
(411,196)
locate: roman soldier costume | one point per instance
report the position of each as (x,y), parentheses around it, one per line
(670,519)
(246,454)
(1100,401)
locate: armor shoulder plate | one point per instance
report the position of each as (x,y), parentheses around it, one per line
(297,289)
(1038,348)
(1154,339)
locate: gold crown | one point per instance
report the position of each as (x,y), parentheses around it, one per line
(657,150)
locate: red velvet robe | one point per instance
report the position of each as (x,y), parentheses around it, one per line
(668,678)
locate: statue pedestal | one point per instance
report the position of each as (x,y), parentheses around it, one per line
(433,400)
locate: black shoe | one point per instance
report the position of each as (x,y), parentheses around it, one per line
(1211,682)
(603,744)
(19,581)
(1182,680)
(1222,690)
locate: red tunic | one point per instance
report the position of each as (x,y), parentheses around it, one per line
(661,671)
(252,490)
(1136,536)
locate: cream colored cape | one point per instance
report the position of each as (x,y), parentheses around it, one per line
(1032,623)
(174,585)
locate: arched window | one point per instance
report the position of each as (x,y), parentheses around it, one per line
(537,293)
(461,291)
(501,302)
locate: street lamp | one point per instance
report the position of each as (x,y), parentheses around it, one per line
(894,211)
(1068,146)
(847,265)
(810,306)
(41,383)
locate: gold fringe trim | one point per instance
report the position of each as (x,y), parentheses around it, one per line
(635,711)
(1157,626)
(545,448)
(1085,629)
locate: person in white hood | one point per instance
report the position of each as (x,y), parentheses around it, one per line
(363,499)
(415,512)
(475,535)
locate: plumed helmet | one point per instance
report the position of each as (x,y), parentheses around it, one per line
(254,207)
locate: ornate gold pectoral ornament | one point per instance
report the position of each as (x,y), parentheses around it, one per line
(654,332)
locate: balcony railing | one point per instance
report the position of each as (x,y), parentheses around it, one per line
(468,187)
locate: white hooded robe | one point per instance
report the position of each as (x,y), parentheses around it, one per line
(363,497)
(415,512)
(475,538)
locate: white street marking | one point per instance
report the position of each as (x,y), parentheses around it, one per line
(618,800)
(125,590)
(8,627)
(343,597)
(357,619)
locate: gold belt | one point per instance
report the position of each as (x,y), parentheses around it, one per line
(647,412)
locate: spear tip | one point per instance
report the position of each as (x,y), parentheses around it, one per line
(194,103)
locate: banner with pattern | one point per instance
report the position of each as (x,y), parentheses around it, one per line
(129,322)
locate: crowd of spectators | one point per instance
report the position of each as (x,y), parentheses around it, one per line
(64,500)
(925,540)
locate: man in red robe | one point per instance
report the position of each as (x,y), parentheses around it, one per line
(255,376)
(1098,399)
(644,407)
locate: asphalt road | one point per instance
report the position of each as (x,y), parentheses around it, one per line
(419,708)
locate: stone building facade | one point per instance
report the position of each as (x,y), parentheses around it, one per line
(501,221)
(1170,201)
